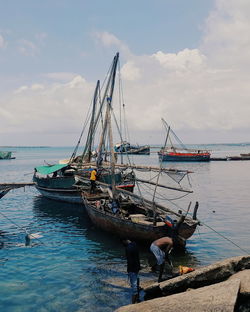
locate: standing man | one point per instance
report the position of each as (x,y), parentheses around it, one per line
(133,267)
(92,181)
(161,248)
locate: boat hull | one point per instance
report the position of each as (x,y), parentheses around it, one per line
(122,227)
(62,189)
(65,195)
(184,157)
(125,228)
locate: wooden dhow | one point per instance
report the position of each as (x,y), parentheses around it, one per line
(129,214)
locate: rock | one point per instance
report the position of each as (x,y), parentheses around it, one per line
(220,297)
(205,276)
(244,277)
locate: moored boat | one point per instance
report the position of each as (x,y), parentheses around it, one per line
(181,153)
(184,155)
(129,214)
(127,148)
(139,219)
(58,181)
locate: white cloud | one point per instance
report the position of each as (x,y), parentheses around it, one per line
(130,72)
(108,39)
(202,90)
(27,48)
(184,60)
(61,76)
(55,108)
(21,89)
(226,40)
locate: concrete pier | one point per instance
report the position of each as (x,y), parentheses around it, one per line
(223,286)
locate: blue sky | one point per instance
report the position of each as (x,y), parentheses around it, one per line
(58,36)
(185,61)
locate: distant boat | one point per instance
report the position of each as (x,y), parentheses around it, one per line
(6,155)
(173,153)
(247,155)
(127,148)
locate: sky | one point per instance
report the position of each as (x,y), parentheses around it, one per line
(185,61)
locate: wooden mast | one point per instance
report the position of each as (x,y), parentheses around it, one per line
(108,95)
(89,142)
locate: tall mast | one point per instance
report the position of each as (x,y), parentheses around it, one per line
(90,138)
(111,146)
(108,96)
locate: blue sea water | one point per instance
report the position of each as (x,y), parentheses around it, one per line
(75,267)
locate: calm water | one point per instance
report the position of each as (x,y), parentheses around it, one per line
(75,267)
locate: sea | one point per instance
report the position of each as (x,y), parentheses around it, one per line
(73,266)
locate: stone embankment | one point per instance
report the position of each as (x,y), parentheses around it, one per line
(223,286)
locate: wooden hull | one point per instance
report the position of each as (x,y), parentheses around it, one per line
(123,227)
(62,189)
(184,156)
(65,195)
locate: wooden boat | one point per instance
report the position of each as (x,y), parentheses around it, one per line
(245,156)
(137,218)
(182,153)
(127,214)
(61,182)
(127,148)
(58,181)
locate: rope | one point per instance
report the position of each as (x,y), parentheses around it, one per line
(226,238)
(20,227)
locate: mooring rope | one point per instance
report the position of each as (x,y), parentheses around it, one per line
(226,238)
(22,228)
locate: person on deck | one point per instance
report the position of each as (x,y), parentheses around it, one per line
(161,248)
(93,181)
(133,267)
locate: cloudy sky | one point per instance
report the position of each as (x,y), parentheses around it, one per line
(185,61)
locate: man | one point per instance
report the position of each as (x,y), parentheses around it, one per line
(161,248)
(133,267)
(92,181)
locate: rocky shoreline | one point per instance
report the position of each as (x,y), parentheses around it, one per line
(222,286)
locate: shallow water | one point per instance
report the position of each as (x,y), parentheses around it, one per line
(75,267)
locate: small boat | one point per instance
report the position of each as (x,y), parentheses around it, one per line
(6,155)
(245,156)
(61,182)
(127,148)
(182,153)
